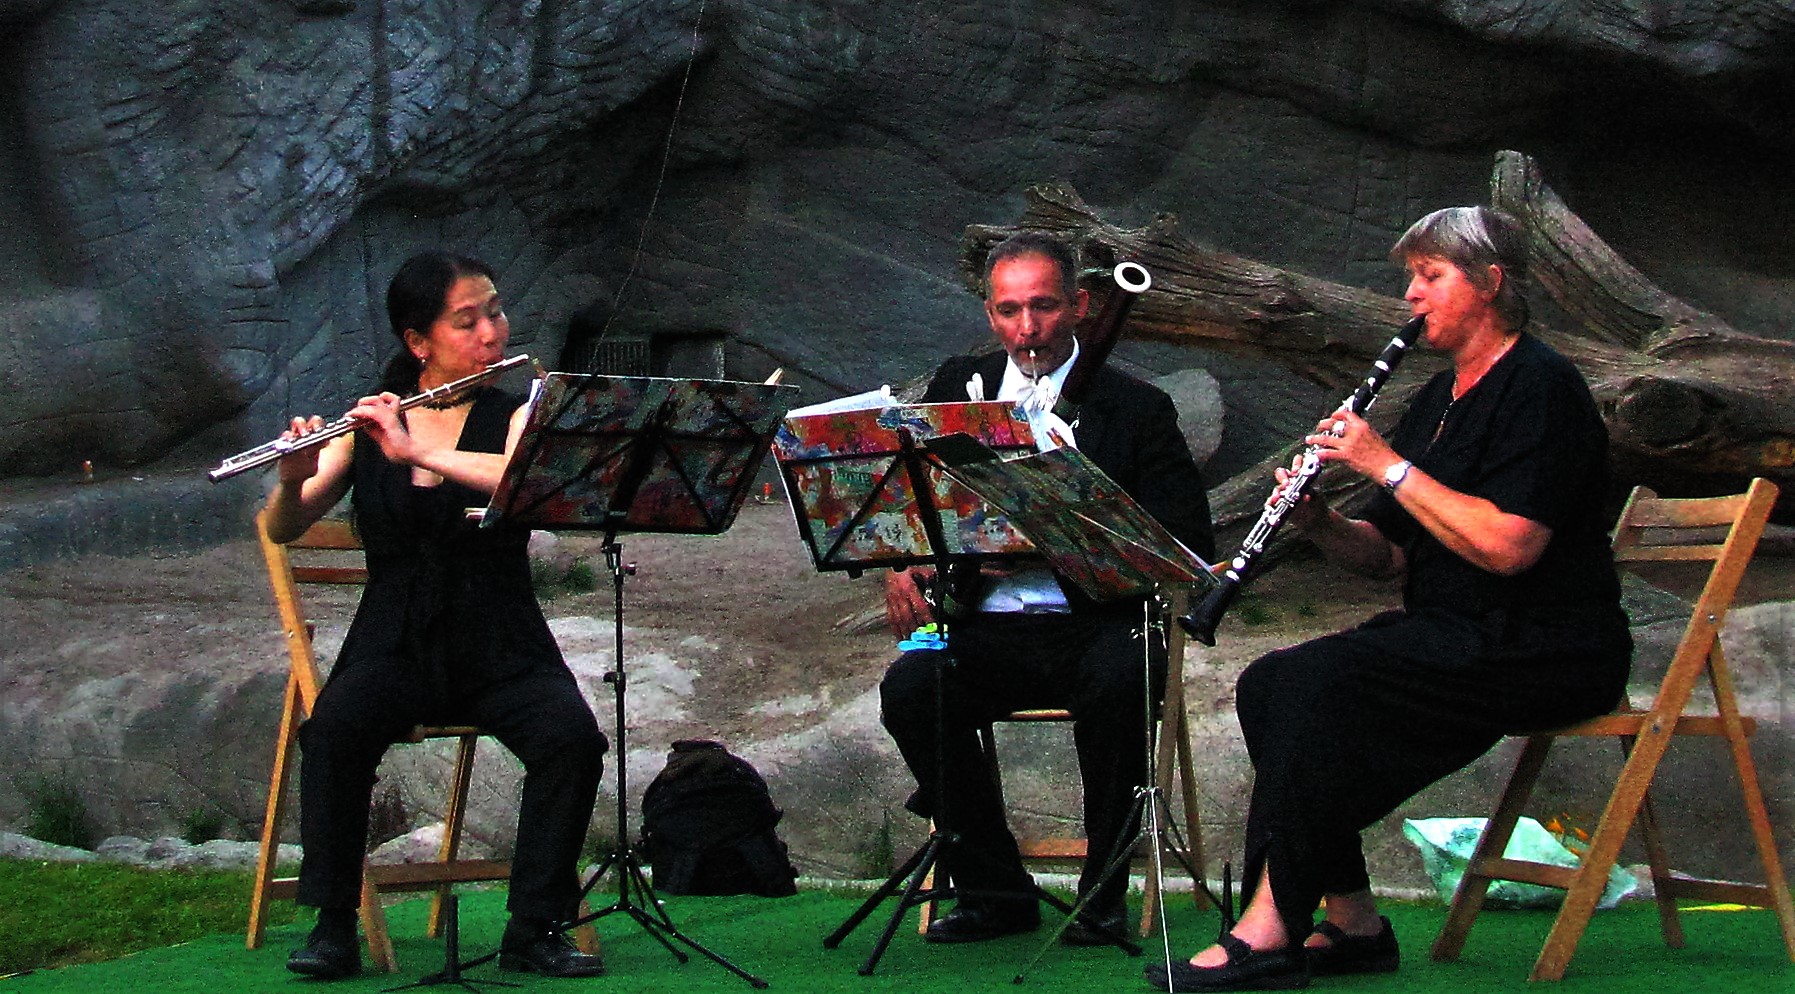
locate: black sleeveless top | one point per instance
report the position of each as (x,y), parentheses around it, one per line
(446,599)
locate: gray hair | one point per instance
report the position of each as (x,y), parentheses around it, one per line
(1036,243)
(1474,239)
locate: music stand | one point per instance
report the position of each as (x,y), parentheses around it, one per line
(856,494)
(636,454)
(1095,535)
(452,964)
(867,490)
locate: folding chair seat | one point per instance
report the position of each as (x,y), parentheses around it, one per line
(1650,529)
(329,541)
(1174,767)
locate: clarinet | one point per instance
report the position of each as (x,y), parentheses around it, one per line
(1201,621)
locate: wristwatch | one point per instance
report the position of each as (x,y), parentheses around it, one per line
(1398,472)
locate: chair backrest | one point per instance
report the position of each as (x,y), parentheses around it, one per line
(331,539)
(1721,530)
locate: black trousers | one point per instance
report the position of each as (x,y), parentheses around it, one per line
(1342,731)
(1094,667)
(540,716)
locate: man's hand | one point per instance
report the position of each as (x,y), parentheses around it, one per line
(906,608)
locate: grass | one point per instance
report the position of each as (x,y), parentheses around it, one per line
(60,914)
(57,814)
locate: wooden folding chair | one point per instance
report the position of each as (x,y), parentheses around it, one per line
(330,540)
(1173,760)
(1651,529)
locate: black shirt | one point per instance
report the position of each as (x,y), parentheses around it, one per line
(1528,438)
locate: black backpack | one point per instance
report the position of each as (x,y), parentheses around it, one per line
(708,826)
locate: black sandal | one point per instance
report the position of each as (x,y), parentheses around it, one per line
(1247,969)
(1346,954)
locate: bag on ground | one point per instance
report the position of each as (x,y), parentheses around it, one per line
(708,826)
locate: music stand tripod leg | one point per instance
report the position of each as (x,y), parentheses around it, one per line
(915,869)
(1147,811)
(452,964)
(649,911)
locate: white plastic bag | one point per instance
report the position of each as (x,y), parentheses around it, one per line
(1446,846)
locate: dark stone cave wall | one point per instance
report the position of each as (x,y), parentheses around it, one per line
(209,197)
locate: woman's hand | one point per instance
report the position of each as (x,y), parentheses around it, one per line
(1309,510)
(300,465)
(381,422)
(1357,445)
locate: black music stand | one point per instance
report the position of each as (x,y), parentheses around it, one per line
(1096,536)
(637,454)
(452,964)
(868,489)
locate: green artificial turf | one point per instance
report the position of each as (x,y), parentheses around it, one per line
(780,940)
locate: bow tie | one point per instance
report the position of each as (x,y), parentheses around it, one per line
(1038,396)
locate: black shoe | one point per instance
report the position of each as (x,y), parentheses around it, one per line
(327,956)
(1354,953)
(1247,969)
(1093,928)
(551,954)
(976,921)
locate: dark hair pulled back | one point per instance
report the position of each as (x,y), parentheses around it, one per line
(414,300)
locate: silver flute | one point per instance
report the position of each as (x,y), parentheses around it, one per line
(262,455)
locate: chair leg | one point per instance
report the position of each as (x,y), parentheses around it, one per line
(1604,849)
(453,819)
(373,926)
(1468,900)
(271,820)
(1174,748)
(1193,821)
(1670,923)
(1776,885)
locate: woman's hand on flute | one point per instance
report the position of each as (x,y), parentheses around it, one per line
(300,465)
(382,424)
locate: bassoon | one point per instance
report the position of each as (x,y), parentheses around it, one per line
(1132,280)
(1201,621)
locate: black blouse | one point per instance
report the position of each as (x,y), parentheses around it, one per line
(1528,438)
(446,599)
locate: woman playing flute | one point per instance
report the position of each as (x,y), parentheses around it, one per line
(448,630)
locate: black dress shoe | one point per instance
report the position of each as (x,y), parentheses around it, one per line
(977,921)
(1346,954)
(327,957)
(1093,929)
(1247,969)
(551,954)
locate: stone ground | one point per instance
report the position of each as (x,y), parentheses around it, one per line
(155,681)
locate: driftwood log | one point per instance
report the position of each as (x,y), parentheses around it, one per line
(1692,404)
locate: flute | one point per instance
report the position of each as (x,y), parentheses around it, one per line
(262,455)
(1201,621)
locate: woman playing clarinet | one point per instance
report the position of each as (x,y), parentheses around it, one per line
(1491,511)
(448,631)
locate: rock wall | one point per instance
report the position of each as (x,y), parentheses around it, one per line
(204,199)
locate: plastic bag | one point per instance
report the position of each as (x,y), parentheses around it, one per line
(1446,846)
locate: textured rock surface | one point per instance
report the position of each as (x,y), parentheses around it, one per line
(206,197)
